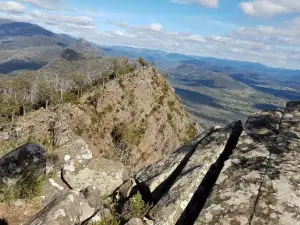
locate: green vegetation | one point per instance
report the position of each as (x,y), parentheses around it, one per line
(65,82)
(139,207)
(29,187)
(191,132)
(131,135)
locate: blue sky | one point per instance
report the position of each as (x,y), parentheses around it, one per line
(264,31)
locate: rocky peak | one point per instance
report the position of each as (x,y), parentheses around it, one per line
(80,50)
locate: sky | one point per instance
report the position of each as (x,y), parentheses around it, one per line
(264,31)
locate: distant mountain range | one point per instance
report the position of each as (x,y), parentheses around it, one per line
(217,91)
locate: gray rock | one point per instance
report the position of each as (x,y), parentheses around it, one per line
(172,204)
(155,174)
(105,175)
(100,216)
(21,164)
(259,184)
(278,201)
(126,189)
(135,221)
(53,188)
(73,156)
(68,209)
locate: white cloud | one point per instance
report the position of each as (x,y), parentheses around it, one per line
(196,38)
(156,27)
(271,45)
(206,3)
(12,7)
(44,4)
(268,8)
(71,22)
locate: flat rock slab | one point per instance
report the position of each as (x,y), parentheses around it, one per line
(68,209)
(233,197)
(105,175)
(278,202)
(170,207)
(155,174)
(259,184)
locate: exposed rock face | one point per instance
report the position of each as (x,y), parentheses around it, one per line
(260,183)
(253,179)
(71,208)
(173,195)
(104,174)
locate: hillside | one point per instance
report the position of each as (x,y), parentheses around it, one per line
(26,46)
(217,98)
(219,91)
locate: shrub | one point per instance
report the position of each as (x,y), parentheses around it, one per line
(30,187)
(139,207)
(191,132)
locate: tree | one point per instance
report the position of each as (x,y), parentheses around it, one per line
(22,87)
(46,93)
(79,81)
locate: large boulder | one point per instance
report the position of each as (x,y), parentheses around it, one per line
(207,158)
(22,164)
(155,174)
(106,175)
(71,208)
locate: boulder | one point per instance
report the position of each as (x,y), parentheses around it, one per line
(126,189)
(71,208)
(135,221)
(74,155)
(104,174)
(155,174)
(208,157)
(22,164)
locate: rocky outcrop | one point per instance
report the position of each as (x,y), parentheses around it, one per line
(172,196)
(22,164)
(231,175)
(250,178)
(71,208)
(104,174)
